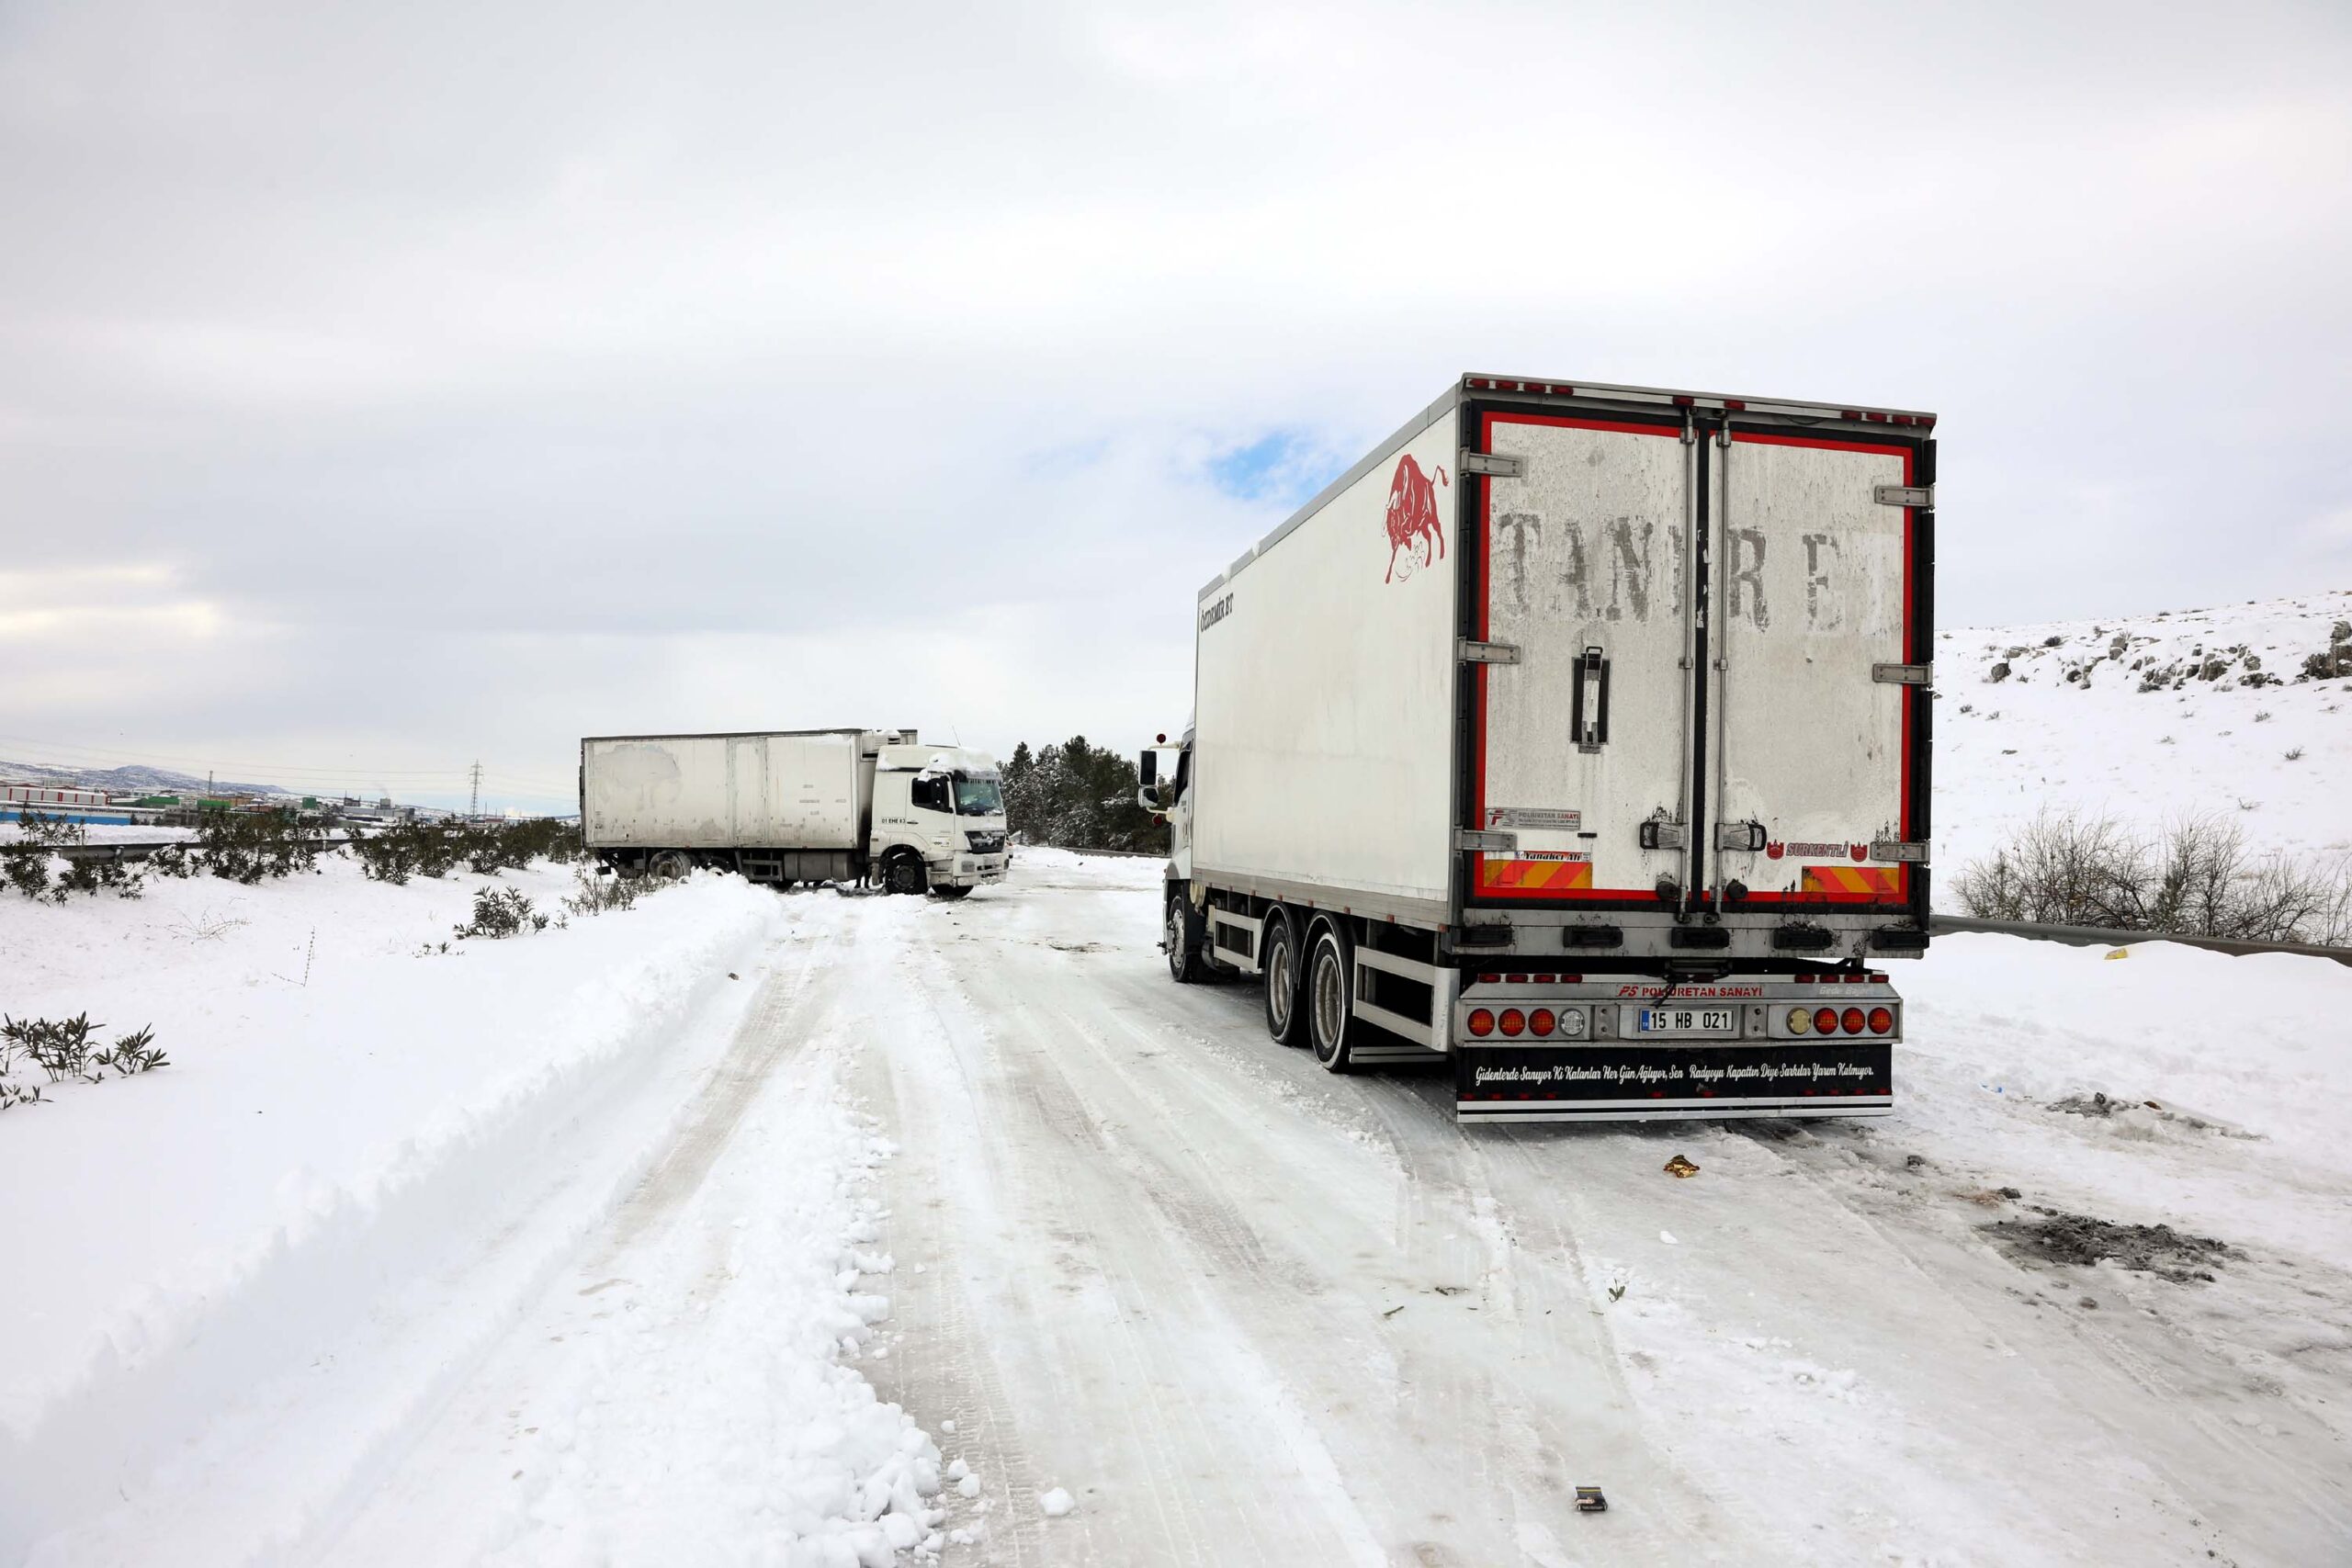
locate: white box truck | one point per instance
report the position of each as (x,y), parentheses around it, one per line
(1578,733)
(795,805)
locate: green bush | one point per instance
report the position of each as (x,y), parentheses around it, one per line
(25,864)
(502,912)
(249,846)
(435,849)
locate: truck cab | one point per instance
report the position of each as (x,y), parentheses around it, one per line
(1164,775)
(938,820)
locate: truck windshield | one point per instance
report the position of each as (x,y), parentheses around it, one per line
(979,797)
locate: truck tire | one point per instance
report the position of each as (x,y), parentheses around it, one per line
(903,873)
(1281,969)
(1181,940)
(1330,996)
(670,865)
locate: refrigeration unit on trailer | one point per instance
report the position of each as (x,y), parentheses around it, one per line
(803,806)
(1579,734)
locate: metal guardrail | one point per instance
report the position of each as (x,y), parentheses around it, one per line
(2100,936)
(126,848)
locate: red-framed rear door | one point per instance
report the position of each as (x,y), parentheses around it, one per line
(1810,717)
(1586,574)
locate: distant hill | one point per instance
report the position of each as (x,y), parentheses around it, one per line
(2242,712)
(147,781)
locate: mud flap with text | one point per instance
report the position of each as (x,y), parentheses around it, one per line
(1632,1081)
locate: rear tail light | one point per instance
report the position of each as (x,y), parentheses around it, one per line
(1482,1022)
(1800,1021)
(1853,1021)
(1572,1024)
(1514,1022)
(1825,1021)
(1540,1022)
(1882,1021)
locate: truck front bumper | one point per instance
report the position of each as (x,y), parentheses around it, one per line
(1506,1070)
(969,871)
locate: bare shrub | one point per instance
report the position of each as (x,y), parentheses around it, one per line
(2196,877)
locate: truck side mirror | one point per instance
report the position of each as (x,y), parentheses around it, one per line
(1147,766)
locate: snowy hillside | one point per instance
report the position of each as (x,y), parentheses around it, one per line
(125,779)
(2220,711)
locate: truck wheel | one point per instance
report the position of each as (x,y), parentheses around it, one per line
(1285,1015)
(1330,998)
(670,865)
(905,872)
(1184,957)
(950,893)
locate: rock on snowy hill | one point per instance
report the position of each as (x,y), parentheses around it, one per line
(2242,711)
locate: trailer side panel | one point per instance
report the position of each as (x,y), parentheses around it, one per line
(1325,693)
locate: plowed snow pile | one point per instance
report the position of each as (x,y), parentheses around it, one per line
(372,1145)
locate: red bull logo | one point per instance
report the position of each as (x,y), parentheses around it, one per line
(1415,536)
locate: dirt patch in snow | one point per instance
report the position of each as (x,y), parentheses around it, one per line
(2082,1241)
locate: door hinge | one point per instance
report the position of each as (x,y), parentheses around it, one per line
(1904,495)
(1913,850)
(1492,463)
(1748,836)
(1484,843)
(1904,675)
(1486,652)
(1663,836)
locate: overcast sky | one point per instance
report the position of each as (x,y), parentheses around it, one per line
(383,387)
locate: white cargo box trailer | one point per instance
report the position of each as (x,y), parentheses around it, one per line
(1580,732)
(806,805)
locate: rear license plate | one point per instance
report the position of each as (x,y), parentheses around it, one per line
(1686,1021)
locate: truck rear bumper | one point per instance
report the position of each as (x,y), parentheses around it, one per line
(1536,1047)
(1636,1080)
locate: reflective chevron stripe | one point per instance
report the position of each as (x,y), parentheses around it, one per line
(1852,881)
(1560,874)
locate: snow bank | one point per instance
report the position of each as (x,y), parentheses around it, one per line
(336,1106)
(2055,715)
(703,1409)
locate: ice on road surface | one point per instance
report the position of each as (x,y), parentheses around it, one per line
(948,1216)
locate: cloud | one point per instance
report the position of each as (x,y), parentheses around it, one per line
(491,377)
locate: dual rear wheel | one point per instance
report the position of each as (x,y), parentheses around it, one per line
(1310,994)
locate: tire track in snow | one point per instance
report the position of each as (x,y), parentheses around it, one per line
(1113,1352)
(791,1004)
(1445,1377)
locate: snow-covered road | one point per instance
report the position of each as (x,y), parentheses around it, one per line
(1249,1313)
(965,1203)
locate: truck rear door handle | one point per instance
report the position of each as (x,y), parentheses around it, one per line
(1588,703)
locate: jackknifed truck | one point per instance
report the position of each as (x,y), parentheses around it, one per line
(795,805)
(1578,733)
